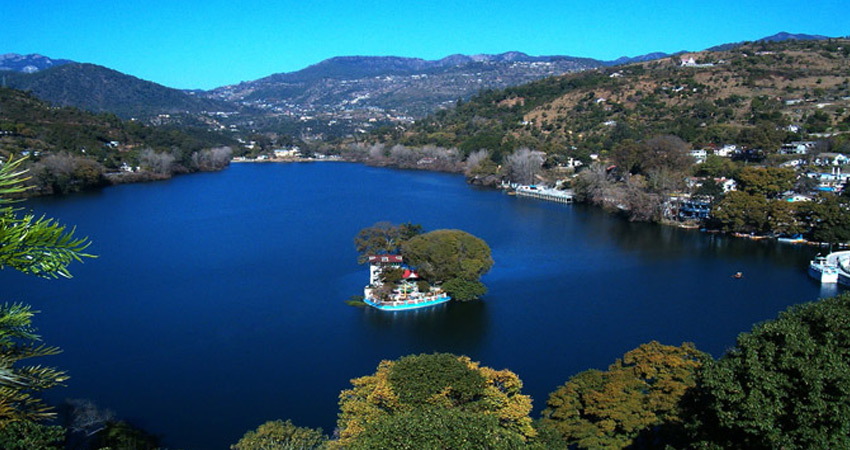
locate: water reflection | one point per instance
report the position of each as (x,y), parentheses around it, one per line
(451,326)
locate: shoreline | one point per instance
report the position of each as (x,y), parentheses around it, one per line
(286,160)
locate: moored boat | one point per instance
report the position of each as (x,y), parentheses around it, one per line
(822,270)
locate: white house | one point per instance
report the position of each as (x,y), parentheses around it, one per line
(831,159)
(792,164)
(833,180)
(727,150)
(377,263)
(287,152)
(728,184)
(699,155)
(792,197)
(797,148)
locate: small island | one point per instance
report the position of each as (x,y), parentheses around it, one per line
(411,270)
(408,292)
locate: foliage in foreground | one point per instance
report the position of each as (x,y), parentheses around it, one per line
(25,435)
(36,246)
(637,394)
(421,386)
(43,248)
(437,428)
(786,384)
(280,435)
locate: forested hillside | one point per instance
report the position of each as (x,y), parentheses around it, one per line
(69,149)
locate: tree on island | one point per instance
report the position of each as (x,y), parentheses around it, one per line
(37,246)
(453,258)
(383,237)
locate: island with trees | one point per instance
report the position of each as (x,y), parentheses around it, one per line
(409,269)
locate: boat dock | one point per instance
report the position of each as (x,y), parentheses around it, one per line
(544,193)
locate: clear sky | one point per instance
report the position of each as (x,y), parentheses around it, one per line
(210,43)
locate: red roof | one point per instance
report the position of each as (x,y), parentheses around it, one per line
(386,259)
(410,274)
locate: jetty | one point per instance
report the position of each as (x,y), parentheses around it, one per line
(545,193)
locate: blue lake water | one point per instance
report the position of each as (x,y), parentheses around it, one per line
(216,302)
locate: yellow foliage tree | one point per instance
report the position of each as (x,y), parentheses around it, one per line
(608,410)
(449,381)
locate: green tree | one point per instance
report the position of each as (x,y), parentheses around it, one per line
(124,436)
(437,428)
(766,181)
(464,290)
(741,212)
(763,136)
(715,167)
(785,384)
(280,435)
(667,153)
(421,383)
(828,218)
(31,436)
(383,237)
(628,156)
(609,410)
(445,255)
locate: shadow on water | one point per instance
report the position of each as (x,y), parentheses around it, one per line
(450,327)
(656,242)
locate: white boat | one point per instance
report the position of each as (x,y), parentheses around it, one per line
(822,270)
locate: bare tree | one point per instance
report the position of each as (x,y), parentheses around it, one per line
(376,152)
(86,417)
(403,156)
(475,160)
(159,163)
(523,164)
(595,185)
(212,159)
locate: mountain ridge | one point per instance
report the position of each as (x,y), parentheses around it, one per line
(100,89)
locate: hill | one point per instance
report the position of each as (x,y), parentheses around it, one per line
(394,85)
(99,89)
(778,37)
(711,99)
(70,137)
(28,63)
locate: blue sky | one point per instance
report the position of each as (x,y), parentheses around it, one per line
(205,44)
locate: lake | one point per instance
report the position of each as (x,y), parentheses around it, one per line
(217,300)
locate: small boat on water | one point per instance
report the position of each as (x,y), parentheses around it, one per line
(822,270)
(738,275)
